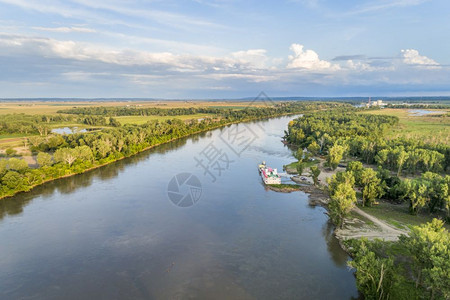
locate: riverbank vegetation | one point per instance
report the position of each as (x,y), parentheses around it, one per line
(399,169)
(284,187)
(376,166)
(415,267)
(64,155)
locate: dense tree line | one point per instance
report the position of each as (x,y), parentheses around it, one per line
(62,155)
(282,107)
(92,120)
(363,136)
(431,190)
(342,133)
(29,124)
(415,267)
(326,127)
(424,268)
(136,111)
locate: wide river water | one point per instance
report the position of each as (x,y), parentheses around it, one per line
(114,233)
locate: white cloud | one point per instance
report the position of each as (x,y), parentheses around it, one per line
(412,57)
(249,77)
(240,61)
(65,29)
(358,65)
(95,11)
(91,52)
(383,5)
(308,59)
(255,58)
(167,18)
(70,62)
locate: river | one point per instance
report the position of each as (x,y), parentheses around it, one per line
(114,233)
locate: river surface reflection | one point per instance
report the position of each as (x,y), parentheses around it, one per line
(113,233)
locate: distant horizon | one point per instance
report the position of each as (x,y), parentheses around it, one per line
(275,98)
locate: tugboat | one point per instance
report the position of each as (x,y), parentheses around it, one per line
(269,175)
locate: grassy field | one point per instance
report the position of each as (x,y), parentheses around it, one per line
(292,167)
(12,135)
(426,128)
(398,215)
(47,107)
(51,108)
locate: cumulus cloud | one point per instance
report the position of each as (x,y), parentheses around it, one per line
(412,57)
(308,59)
(72,64)
(256,58)
(249,77)
(237,62)
(358,65)
(67,49)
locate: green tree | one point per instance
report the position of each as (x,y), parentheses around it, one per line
(415,192)
(429,246)
(44,159)
(17,164)
(341,177)
(342,197)
(374,276)
(315,172)
(84,153)
(437,190)
(34,177)
(447,199)
(402,156)
(113,122)
(10,152)
(102,148)
(335,155)
(323,140)
(382,157)
(14,181)
(66,155)
(42,129)
(356,167)
(300,167)
(35,141)
(314,148)
(3,167)
(55,142)
(371,186)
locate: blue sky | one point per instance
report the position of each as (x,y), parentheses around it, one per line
(224,48)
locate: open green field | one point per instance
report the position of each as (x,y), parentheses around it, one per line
(398,215)
(427,128)
(292,167)
(47,107)
(12,135)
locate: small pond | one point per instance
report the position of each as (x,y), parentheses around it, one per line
(423,112)
(71,130)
